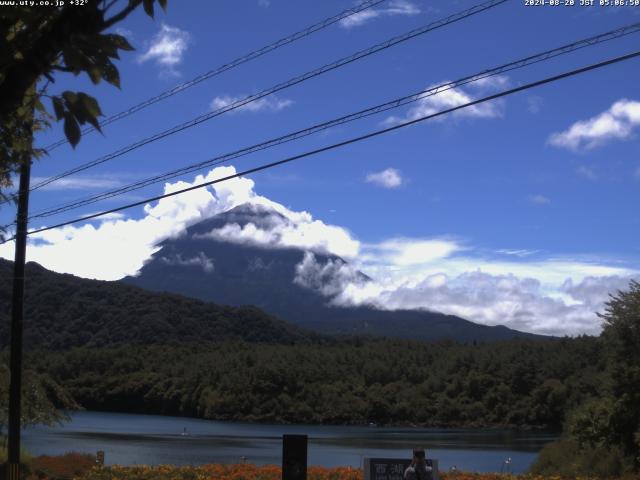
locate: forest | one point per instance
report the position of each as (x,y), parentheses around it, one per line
(113,347)
(354,381)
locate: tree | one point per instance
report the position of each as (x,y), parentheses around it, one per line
(621,334)
(38,42)
(42,399)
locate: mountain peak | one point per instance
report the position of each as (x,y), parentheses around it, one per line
(255,255)
(259,215)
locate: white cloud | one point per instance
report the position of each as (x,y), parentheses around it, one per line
(329,278)
(359,18)
(402,252)
(270,103)
(201,260)
(79,183)
(454,97)
(555,297)
(518,252)
(389,178)
(108,216)
(116,247)
(264,3)
(395,7)
(539,199)
(616,123)
(594,291)
(167,48)
(284,228)
(489,83)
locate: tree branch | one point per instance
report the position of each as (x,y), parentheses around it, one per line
(107,6)
(62,69)
(124,13)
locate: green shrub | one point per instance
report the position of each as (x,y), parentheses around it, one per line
(567,459)
(25,456)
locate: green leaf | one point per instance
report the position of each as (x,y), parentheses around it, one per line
(104,46)
(58,107)
(70,99)
(110,74)
(40,107)
(71,129)
(148,7)
(21,111)
(90,104)
(92,110)
(95,74)
(120,42)
(75,60)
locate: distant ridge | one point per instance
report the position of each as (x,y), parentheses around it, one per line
(239,274)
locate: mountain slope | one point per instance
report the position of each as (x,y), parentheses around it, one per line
(203,265)
(64,311)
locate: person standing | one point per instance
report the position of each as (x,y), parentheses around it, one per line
(419,469)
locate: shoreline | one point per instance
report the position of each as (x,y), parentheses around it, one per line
(495,428)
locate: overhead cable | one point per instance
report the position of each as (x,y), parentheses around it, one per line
(349,141)
(398,102)
(228,66)
(276,88)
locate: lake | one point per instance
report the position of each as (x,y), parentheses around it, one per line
(129,439)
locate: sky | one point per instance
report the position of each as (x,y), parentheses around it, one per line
(521,212)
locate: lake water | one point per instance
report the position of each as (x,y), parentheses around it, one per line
(130,439)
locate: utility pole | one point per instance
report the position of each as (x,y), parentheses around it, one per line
(17,304)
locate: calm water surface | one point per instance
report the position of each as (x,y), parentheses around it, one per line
(148,439)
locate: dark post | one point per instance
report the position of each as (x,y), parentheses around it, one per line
(294,457)
(17,312)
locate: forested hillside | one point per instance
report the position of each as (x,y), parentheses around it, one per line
(162,353)
(518,383)
(64,311)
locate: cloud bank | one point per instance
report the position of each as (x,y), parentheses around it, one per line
(529,297)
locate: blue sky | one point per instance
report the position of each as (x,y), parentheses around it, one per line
(520,212)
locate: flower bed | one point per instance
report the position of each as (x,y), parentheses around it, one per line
(268,472)
(82,467)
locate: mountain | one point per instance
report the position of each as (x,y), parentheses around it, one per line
(202,264)
(64,311)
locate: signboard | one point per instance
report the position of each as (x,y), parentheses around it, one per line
(294,457)
(392,468)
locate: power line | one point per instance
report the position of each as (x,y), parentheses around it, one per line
(533,59)
(228,66)
(350,141)
(281,86)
